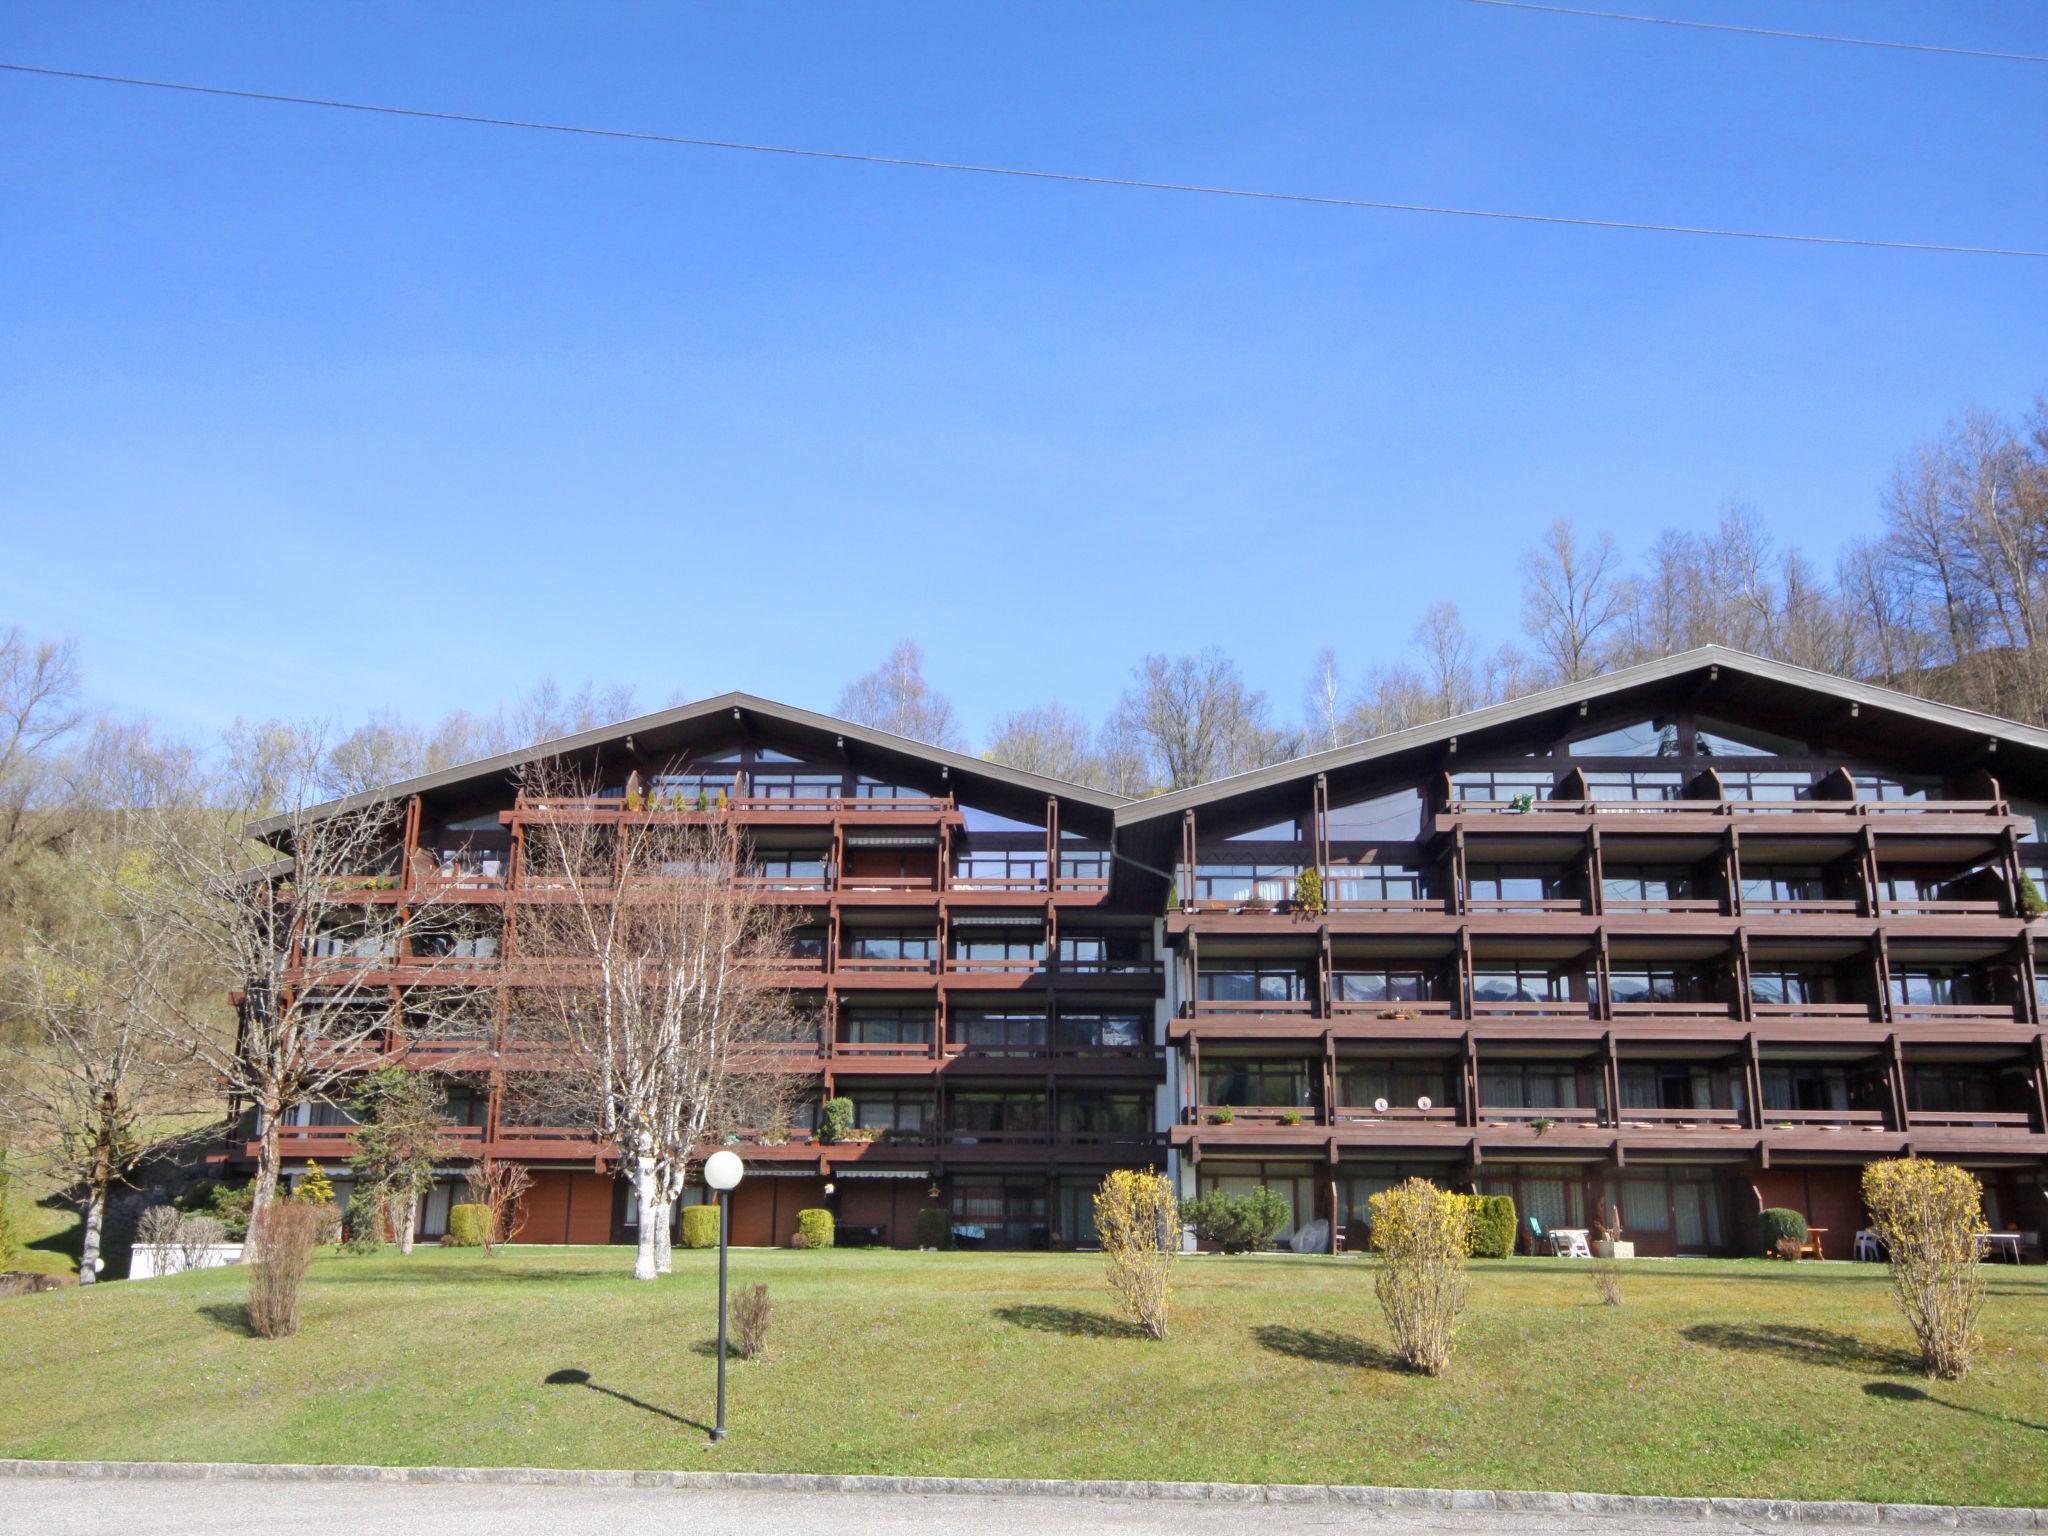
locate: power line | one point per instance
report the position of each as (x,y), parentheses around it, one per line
(1800,37)
(1071,177)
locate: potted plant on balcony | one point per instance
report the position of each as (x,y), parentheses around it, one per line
(1523,803)
(1223,1115)
(1542,1125)
(1308,892)
(1290,1117)
(1607,1240)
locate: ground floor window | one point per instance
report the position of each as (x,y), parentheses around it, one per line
(1357,1184)
(1293,1182)
(998,1213)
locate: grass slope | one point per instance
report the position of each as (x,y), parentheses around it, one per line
(1716,1377)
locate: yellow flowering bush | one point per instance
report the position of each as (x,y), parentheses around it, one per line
(1928,1216)
(1422,1235)
(1137,1219)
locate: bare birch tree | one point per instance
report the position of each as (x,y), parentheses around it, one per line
(1050,739)
(896,698)
(305,940)
(1571,599)
(646,979)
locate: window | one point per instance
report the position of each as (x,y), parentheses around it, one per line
(807,944)
(1293,1182)
(912,946)
(1509,983)
(1081,859)
(1251,982)
(998,1032)
(1245,882)
(1646,738)
(1649,884)
(1783,885)
(1807,1087)
(1105,953)
(1787,986)
(885,1026)
(1396,817)
(1107,1031)
(1015,1113)
(1717,738)
(1361,1084)
(1011,947)
(1512,884)
(1255,1084)
(1278,832)
(779,871)
(1377,882)
(1378,984)
(1908,889)
(1656,984)
(1634,784)
(1501,784)
(1528,1085)
(1937,986)
(1877,786)
(886,1111)
(1743,784)
(999,868)
(1105,1114)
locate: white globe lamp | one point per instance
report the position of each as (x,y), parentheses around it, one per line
(723,1171)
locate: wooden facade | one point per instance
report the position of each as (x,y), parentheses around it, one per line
(1692,939)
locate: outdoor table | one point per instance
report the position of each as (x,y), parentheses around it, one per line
(2005,1242)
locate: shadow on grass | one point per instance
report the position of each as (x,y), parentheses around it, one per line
(570,1377)
(355,1269)
(1899,1392)
(1804,1344)
(229,1316)
(1321,1347)
(1074,1322)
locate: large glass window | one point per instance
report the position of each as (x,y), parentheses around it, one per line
(1640,984)
(790,871)
(989,1111)
(999,869)
(1646,738)
(1782,884)
(1105,1114)
(1765,784)
(887,1110)
(911,945)
(1251,982)
(1255,1084)
(1516,883)
(1528,1085)
(1403,1084)
(1245,882)
(1634,784)
(1293,1182)
(1005,945)
(1640,883)
(1105,953)
(1937,986)
(1788,985)
(1502,784)
(1878,786)
(1108,1030)
(886,1026)
(1377,882)
(1717,738)
(1506,982)
(1395,817)
(998,1031)
(1382,984)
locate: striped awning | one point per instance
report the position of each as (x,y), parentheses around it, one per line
(892,840)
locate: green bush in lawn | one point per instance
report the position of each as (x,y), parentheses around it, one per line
(365,1231)
(934,1227)
(468,1225)
(835,1120)
(700,1226)
(1237,1223)
(1491,1229)
(814,1228)
(1777,1223)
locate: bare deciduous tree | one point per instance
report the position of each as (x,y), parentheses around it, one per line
(1571,599)
(1200,721)
(39,707)
(1051,739)
(647,982)
(896,698)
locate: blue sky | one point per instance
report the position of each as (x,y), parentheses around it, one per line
(306,412)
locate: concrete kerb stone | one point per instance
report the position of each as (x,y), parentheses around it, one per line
(1620,1505)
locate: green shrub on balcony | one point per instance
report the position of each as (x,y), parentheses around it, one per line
(815,1228)
(1223,1116)
(934,1227)
(2031,904)
(835,1120)
(1290,1117)
(1778,1224)
(1237,1223)
(468,1225)
(700,1226)
(1308,890)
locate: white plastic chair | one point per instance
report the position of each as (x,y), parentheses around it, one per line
(1867,1249)
(1569,1245)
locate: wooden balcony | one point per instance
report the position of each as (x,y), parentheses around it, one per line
(1942,907)
(1957,1013)
(1433,1008)
(1671,1010)
(1480,906)
(1971,1119)
(1680,1119)
(1861,1012)
(1629,906)
(1829,907)
(1825,1119)
(1534,1008)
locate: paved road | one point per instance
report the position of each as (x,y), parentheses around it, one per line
(68,1507)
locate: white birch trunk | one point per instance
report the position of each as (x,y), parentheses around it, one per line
(664,1259)
(408,1223)
(95,1224)
(649,1188)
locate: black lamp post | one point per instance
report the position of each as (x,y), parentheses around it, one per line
(723,1172)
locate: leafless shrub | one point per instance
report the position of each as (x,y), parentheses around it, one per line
(751,1312)
(500,1188)
(1606,1277)
(283,1237)
(1789,1249)
(195,1235)
(158,1226)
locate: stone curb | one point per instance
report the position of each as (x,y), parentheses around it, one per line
(1639,1506)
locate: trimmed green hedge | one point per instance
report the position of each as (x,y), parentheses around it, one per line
(1777,1223)
(815,1228)
(468,1225)
(700,1226)
(1493,1226)
(934,1228)
(1237,1223)
(835,1120)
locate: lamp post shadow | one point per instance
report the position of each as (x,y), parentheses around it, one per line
(570,1377)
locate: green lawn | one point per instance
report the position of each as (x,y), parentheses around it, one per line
(1716,1377)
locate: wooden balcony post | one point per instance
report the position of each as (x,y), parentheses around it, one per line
(1194,1082)
(1745,1001)
(1753,1069)
(1896,1066)
(1463,965)
(1603,974)
(1329,1095)
(2027,973)
(1611,1067)
(1461,897)
(1873,876)
(1468,1072)
(1881,963)
(1320,832)
(1596,872)
(2041,1083)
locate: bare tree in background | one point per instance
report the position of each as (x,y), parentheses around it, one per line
(39,708)
(87,1086)
(647,984)
(299,936)
(1571,599)
(1120,750)
(1322,703)
(1200,721)
(1051,739)
(896,698)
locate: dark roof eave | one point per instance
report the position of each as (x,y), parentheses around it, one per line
(958,763)
(1137,813)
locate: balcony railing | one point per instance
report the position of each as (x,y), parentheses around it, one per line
(1622,905)
(1432,1008)
(1682,1117)
(1939,906)
(1733,807)
(1770,906)
(1958,1013)
(1961,1119)
(1861,1011)
(1571,905)
(1671,1010)
(1838,1119)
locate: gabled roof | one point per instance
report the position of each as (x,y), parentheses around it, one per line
(826,730)
(1703,660)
